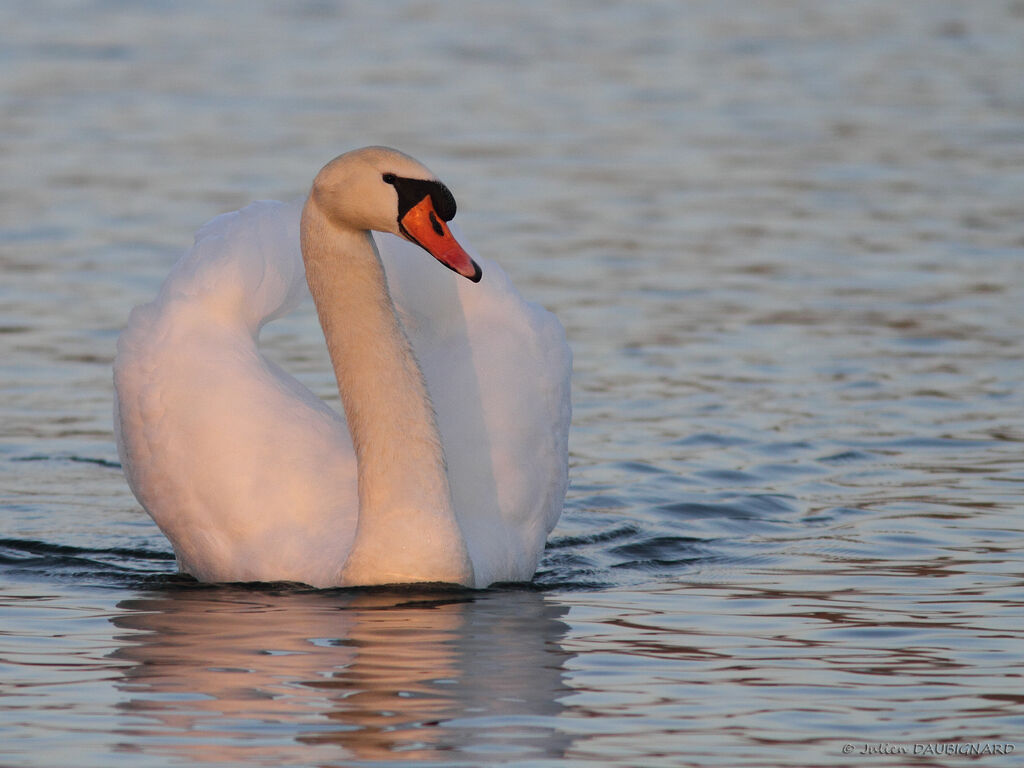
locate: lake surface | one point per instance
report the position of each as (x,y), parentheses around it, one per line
(786,241)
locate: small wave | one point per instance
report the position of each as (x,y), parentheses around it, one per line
(749,507)
(86,565)
(832,515)
(659,552)
(710,439)
(42,548)
(574,542)
(927,442)
(570,571)
(728,477)
(80,459)
(846,457)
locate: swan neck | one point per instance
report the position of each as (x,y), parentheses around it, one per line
(407,529)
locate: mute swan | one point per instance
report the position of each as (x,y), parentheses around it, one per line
(450,462)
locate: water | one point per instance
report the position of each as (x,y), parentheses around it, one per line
(785,240)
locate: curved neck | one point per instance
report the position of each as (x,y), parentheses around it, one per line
(407,529)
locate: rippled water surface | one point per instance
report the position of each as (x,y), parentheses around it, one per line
(786,241)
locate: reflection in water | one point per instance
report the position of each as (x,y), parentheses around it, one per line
(228,674)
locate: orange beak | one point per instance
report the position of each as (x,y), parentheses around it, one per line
(423,226)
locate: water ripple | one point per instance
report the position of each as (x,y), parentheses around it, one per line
(785,243)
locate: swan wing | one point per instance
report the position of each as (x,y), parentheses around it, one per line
(247,472)
(498,370)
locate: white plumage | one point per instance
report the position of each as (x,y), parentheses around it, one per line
(254,478)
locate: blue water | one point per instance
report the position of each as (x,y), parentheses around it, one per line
(785,240)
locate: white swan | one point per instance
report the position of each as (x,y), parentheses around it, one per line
(450,464)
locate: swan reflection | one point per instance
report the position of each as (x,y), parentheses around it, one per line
(236,675)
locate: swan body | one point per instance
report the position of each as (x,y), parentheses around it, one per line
(450,461)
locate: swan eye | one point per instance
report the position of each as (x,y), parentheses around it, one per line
(389,178)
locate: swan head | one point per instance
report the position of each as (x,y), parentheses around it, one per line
(385,190)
